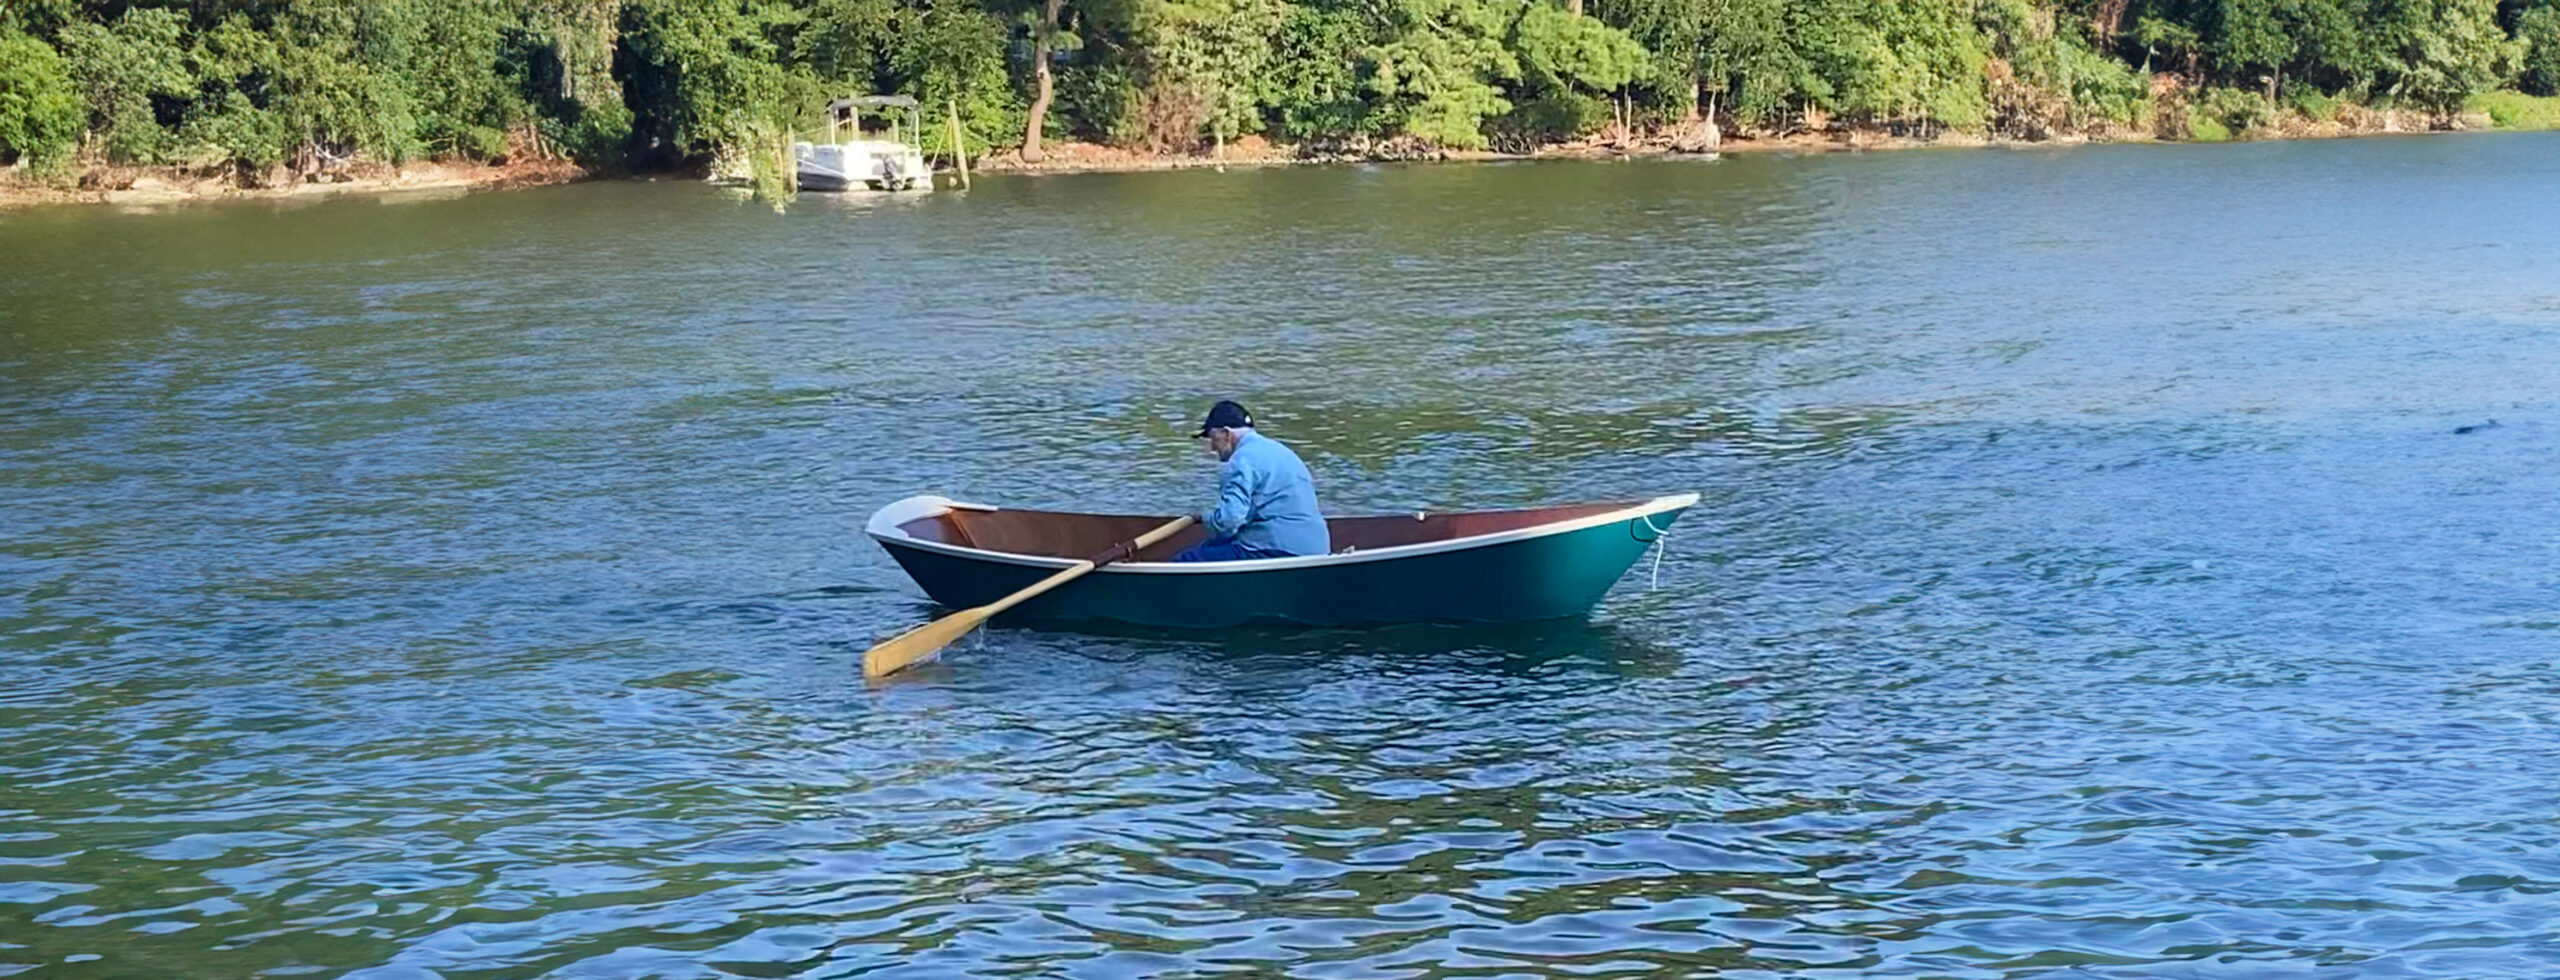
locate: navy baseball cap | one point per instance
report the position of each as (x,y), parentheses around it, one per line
(1224,415)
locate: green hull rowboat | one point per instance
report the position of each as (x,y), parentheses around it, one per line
(1485,566)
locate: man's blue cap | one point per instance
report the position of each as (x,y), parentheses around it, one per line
(1225,415)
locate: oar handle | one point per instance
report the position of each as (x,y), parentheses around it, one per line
(1127,550)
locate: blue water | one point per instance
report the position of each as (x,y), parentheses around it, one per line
(2091,579)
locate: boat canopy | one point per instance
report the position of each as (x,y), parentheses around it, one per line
(871,102)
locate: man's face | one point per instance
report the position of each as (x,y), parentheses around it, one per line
(1222,443)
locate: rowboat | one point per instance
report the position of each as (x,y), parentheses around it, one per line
(1479,566)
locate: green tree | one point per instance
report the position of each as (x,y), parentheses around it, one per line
(1673,34)
(120,68)
(341,90)
(2249,39)
(238,72)
(1567,60)
(1204,60)
(1313,88)
(1910,62)
(847,43)
(2538,29)
(1758,50)
(953,54)
(567,53)
(698,75)
(2161,37)
(1560,49)
(469,93)
(1437,74)
(39,108)
(2438,53)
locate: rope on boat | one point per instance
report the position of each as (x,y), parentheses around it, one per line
(1660,537)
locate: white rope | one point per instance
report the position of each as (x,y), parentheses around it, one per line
(1661,537)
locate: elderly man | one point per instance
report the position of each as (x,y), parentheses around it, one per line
(1266,499)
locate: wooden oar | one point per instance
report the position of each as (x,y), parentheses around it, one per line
(921,643)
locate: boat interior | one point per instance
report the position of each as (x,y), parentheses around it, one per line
(1062,535)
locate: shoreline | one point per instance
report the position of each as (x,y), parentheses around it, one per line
(1076,157)
(152,187)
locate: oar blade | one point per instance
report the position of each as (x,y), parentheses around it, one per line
(919,644)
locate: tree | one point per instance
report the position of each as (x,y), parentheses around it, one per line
(1435,76)
(1313,87)
(2162,37)
(120,68)
(1674,36)
(1909,62)
(2538,29)
(1203,59)
(1758,49)
(340,82)
(952,55)
(1568,58)
(698,75)
(1045,38)
(39,108)
(2248,38)
(2438,53)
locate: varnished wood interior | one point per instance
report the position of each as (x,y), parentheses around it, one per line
(1062,535)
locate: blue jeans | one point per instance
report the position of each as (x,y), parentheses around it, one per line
(1225,549)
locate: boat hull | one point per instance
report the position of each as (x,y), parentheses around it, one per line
(1537,577)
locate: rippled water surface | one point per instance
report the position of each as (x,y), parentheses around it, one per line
(2091,580)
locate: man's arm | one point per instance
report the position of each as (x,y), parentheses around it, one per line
(1235,500)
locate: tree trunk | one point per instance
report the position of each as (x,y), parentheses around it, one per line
(1042,85)
(1573,7)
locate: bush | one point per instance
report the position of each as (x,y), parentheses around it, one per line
(39,109)
(2233,111)
(595,136)
(2202,127)
(1554,115)
(2312,103)
(2516,110)
(2103,88)
(235,129)
(1100,103)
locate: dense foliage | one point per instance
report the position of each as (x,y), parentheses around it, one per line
(269,86)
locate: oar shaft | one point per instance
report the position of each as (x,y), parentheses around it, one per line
(1072,572)
(1032,591)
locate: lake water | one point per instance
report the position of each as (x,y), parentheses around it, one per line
(2090,581)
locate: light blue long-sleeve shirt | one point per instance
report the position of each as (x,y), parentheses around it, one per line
(1267,500)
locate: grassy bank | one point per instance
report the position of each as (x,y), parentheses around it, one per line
(2518,111)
